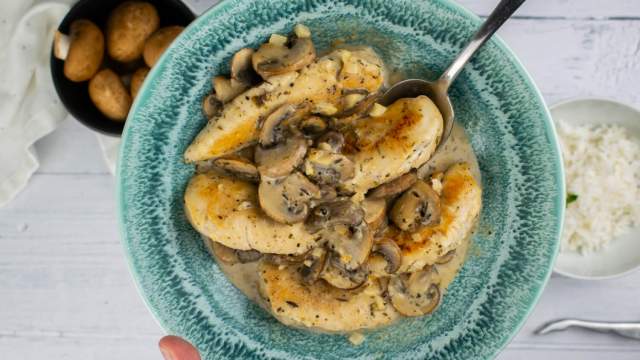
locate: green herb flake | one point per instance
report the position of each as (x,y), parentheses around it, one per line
(571,197)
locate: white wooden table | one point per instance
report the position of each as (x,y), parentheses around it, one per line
(65,290)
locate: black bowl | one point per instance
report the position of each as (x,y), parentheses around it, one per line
(75,96)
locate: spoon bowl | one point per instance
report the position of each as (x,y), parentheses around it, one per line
(436,91)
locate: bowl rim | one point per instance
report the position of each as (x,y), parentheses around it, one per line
(549,128)
(580,99)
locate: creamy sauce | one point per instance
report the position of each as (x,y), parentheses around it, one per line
(457,149)
(243,276)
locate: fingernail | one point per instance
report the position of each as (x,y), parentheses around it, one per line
(166,355)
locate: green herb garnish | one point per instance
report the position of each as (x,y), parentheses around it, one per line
(571,197)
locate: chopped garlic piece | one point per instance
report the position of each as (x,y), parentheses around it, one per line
(325,146)
(352,100)
(316,252)
(324,108)
(379,303)
(277,39)
(436,184)
(356,338)
(345,55)
(307,263)
(357,197)
(377,110)
(244,205)
(302,31)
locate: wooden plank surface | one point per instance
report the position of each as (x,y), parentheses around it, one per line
(65,291)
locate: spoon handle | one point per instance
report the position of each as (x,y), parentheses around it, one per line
(500,14)
(626,329)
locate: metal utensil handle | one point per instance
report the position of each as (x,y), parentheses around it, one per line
(626,329)
(500,14)
(631,330)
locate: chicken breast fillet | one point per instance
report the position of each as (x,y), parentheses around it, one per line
(323,81)
(460,204)
(403,138)
(227,210)
(321,306)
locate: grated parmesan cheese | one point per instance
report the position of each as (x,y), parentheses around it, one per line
(602,165)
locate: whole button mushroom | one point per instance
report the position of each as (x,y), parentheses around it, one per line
(82,50)
(158,42)
(109,95)
(128,27)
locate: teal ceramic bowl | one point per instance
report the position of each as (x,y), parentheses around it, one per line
(494,99)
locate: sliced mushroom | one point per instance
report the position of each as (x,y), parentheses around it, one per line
(287,200)
(377,110)
(302,31)
(225,90)
(446,257)
(324,108)
(280,259)
(247,256)
(334,141)
(393,187)
(313,126)
(329,214)
(376,265)
(232,256)
(338,276)
(419,206)
(327,194)
(238,167)
(351,98)
(374,212)
(280,160)
(391,253)
(352,243)
(274,127)
(223,253)
(383,282)
(329,168)
(247,153)
(274,58)
(414,294)
(356,101)
(313,265)
(242,73)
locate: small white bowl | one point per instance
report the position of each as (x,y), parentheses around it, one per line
(622,256)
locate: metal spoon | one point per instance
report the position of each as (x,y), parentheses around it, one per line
(438,90)
(626,329)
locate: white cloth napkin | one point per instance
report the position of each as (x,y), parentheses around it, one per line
(110,149)
(29,106)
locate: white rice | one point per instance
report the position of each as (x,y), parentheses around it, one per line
(602,165)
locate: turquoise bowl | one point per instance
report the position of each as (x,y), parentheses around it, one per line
(495,100)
